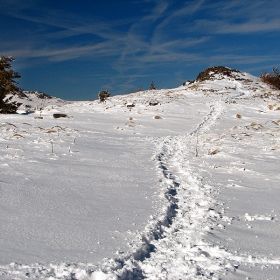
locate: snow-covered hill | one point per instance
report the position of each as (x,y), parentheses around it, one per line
(164,184)
(34,101)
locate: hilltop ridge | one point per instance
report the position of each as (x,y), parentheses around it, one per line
(217,79)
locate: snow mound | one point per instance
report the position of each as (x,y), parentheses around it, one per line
(231,83)
(35,100)
(218,72)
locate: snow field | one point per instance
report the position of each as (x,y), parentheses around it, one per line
(70,204)
(209,163)
(240,157)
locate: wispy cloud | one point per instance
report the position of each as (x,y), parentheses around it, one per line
(244,59)
(63,53)
(166,34)
(52,26)
(251,27)
(152,40)
(223,27)
(238,17)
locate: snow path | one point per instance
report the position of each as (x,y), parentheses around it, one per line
(181,250)
(173,243)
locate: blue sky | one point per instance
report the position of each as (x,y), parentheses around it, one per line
(73,49)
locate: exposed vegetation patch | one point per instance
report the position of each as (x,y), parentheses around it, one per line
(39,94)
(272,80)
(210,73)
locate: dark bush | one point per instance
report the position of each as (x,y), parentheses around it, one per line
(272,79)
(152,86)
(8,86)
(42,95)
(209,73)
(103,95)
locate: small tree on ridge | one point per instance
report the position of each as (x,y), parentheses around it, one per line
(103,95)
(152,86)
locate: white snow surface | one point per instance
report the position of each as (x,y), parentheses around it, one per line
(164,184)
